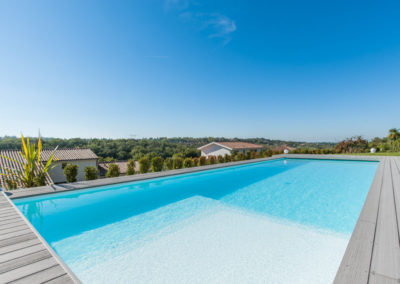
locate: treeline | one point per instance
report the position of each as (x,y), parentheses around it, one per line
(124,149)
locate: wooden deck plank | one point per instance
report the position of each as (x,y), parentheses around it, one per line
(396,189)
(13,229)
(355,265)
(24,260)
(386,250)
(18,246)
(17,240)
(24,256)
(60,280)
(21,252)
(15,234)
(12,225)
(27,270)
(42,276)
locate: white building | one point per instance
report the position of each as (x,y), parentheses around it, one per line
(222,148)
(81,157)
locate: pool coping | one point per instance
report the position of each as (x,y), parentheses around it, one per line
(372,254)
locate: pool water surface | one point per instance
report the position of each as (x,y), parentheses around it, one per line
(279,221)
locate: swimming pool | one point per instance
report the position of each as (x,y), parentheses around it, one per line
(279,221)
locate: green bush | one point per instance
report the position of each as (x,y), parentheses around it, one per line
(11,184)
(71,172)
(144,165)
(220,159)
(202,161)
(248,155)
(254,155)
(130,167)
(91,173)
(212,160)
(195,162)
(239,157)
(267,153)
(227,158)
(168,164)
(40,179)
(113,171)
(157,164)
(177,162)
(188,163)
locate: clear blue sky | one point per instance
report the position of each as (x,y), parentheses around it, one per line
(298,70)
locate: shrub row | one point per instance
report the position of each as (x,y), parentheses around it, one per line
(157,164)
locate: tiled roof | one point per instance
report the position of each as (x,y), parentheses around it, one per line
(13,166)
(123,165)
(240,145)
(70,154)
(234,145)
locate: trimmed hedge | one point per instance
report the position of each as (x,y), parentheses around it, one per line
(91,173)
(177,162)
(144,165)
(130,168)
(71,172)
(168,164)
(157,164)
(188,163)
(113,171)
(202,161)
(212,160)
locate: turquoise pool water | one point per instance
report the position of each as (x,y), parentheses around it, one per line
(282,221)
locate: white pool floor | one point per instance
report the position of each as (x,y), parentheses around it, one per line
(217,245)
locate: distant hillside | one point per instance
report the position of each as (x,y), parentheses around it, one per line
(123,149)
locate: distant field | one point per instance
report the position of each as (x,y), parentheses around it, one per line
(376,154)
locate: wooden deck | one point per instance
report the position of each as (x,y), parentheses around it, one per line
(24,256)
(372,255)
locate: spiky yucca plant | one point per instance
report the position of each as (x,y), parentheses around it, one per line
(34,172)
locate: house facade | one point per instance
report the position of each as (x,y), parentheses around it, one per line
(223,148)
(81,157)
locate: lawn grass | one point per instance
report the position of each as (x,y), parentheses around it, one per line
(375,154)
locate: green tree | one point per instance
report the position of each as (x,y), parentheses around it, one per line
(220,159)
(130,167)
(227,158)
(71,172)
(144,165)
(177,162)
(195,162)
(188,163)
(212,160)
(157,164)
(91,173)
(202,161)
(113,171)
(394,134)
(168,164)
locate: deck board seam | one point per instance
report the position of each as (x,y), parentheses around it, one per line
(394,201)
(18,236)
(52,279)
(36,272)
(35,244)
(21,229)
(376,221)
(25,255)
